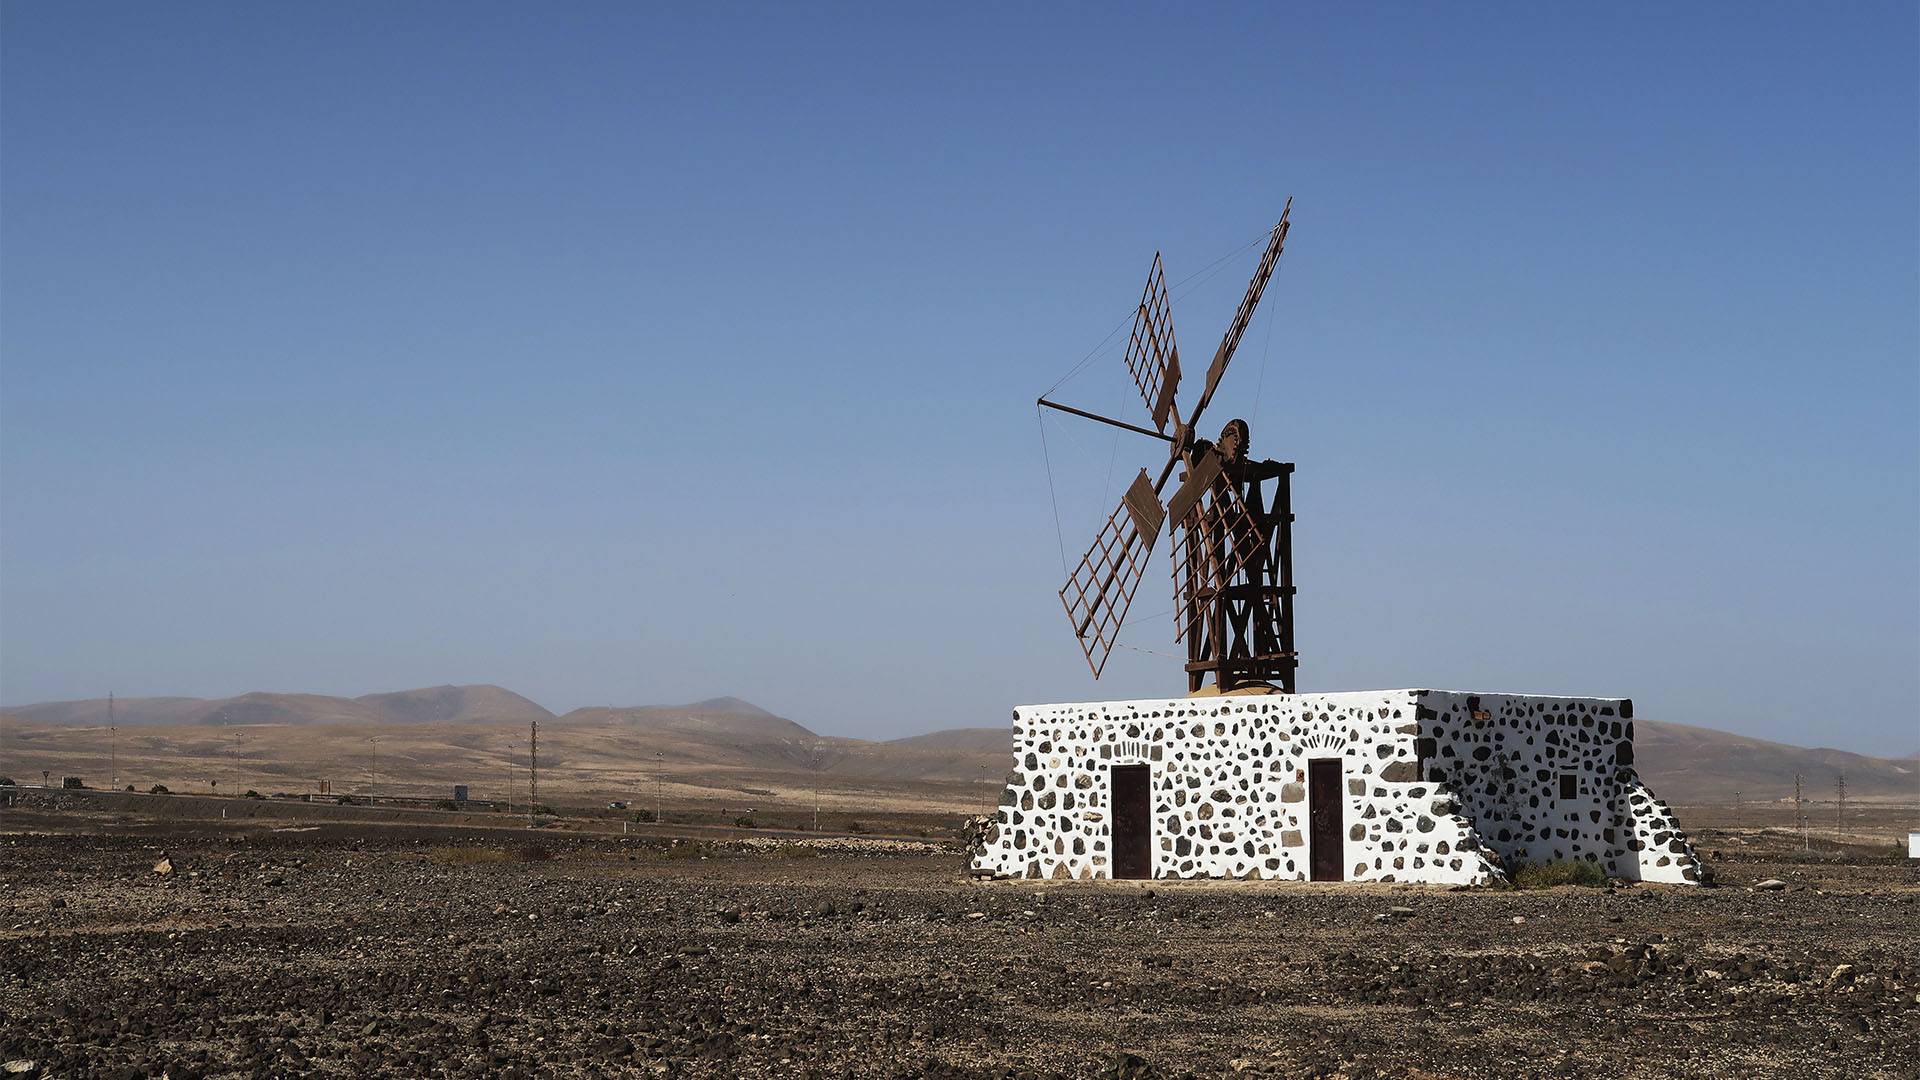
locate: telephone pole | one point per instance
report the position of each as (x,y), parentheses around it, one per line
(533,766)
(113,735)
(814,759)
(1840,788)
(1800,807)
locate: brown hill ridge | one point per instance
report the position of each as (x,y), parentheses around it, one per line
(438,704)
(1683,762)
(456,705)
(960,738)
(730,722)
(1686,763)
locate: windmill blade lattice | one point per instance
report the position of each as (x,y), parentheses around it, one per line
(1152,356)
(1100,590)
(1231,340)
(1216,540)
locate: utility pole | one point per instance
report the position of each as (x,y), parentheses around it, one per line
(1800,807)
(659,762)
(1840,788)
(533,766)
(511,746)
(113,735)
(814,759)
(375,789)
(1736,810)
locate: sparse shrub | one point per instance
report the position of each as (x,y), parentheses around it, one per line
(252,794)
(642,816)
(1538,875)
(129,787)
(744,821)
(530,853)
(158,789)
(795,851)
(7,781)
(446,804)
(855,827)
(344,800)
(459,855)
(684,849)
(72,783)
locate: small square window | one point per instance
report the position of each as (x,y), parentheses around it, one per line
(1569,786)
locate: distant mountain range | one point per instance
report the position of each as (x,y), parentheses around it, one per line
(1683,762)
(433,705)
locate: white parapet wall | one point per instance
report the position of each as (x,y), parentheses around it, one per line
(1391,785)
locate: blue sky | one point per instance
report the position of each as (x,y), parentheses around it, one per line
(623,354)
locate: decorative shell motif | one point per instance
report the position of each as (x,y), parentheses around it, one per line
(1324,740)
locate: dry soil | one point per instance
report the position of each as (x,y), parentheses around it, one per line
(339,949)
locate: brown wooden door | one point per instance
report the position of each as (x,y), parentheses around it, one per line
(1132,822)
(1324,824)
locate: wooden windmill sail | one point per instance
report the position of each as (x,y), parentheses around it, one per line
(1231,518)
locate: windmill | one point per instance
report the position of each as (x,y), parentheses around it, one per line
(1230,521)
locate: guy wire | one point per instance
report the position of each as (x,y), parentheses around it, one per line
(1272,317)
(1059,534)
(1210,269)
(1149,652)
(1213,268)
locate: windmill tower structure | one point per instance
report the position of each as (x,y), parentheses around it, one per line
(1230,521)
(1247,777)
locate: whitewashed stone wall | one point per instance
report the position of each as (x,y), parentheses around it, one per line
(1420,800)
(1551,778)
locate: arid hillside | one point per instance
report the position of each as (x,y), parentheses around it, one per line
(420,743)
(723,761)
(1696,764)
(436,704)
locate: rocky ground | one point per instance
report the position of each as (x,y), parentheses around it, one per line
(339,950)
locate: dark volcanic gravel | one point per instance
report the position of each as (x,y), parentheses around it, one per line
(325,952)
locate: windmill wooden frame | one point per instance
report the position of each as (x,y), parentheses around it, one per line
(1231,518)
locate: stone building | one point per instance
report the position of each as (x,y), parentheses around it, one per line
(1392,785)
